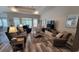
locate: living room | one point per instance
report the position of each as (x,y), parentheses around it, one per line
(49,28)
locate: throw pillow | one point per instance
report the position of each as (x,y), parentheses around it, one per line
(48,33)
(59,35)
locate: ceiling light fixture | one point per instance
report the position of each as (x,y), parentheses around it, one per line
(36,12)
(14,9)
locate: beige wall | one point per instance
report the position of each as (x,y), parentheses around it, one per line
(59,14)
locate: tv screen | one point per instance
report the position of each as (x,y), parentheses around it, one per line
(50,24)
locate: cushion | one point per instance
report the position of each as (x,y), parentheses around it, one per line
(48,33)
(20,29)
(59,35)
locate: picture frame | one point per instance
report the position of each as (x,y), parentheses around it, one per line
(71,21)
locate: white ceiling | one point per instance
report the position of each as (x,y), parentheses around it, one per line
(41,9)
(4,9)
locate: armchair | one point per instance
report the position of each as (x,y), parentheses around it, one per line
(61,42)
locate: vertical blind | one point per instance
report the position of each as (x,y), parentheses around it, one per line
(35,22)
(0,23)
(25,21)
(3,22)
(44,22)
(16,21)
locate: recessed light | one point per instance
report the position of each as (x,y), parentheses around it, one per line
(36,12)
(14,9)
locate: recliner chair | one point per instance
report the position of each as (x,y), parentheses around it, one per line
(61,42)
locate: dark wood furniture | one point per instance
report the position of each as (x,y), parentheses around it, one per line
(18,35)
(18,44)
(23,34)
(61,42)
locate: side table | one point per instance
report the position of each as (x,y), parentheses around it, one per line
(18,44)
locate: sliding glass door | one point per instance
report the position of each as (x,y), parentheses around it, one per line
(31,22)
(44,23)
(27,21)
(0,23)
(16,21)
(35,22)
(3,23)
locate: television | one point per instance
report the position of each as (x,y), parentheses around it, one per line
(51,24)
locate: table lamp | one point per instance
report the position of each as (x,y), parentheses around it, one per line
(20,25)
(20,28)
(12,30)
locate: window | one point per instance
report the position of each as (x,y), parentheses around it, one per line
(44,22)
(27,21)
(0,23)
(35,22)
(4,22)
(16,21)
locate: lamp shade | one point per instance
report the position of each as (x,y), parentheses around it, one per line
(12,29)
(20,25)
(20,28)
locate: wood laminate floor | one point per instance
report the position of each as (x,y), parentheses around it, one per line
(30,46)
(54,49)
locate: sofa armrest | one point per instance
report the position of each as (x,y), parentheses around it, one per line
(59,41)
